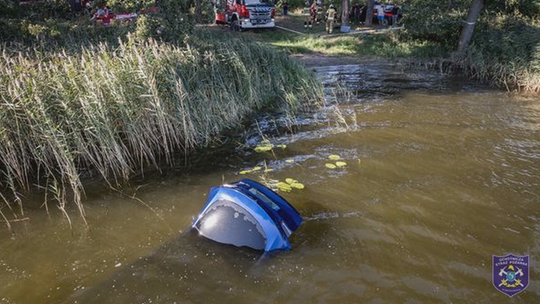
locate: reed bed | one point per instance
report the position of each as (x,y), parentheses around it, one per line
(511,76)
(109,111)
(505,51)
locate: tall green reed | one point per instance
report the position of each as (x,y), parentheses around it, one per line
(110,111)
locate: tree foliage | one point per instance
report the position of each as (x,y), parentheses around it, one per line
(434,20)
(172,22)
(441,21)
(53,22)
(130,5)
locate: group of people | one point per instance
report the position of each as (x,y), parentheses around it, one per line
(313,13)
(358,13)
(81,5)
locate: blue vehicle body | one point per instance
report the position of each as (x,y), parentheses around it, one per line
(246,213)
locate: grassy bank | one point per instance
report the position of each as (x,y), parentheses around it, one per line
(109,111)
(382,45)
(506,52)
(505,49)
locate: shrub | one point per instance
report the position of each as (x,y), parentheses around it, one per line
(434,20)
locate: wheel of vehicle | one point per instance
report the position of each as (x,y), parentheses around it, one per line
(235,25)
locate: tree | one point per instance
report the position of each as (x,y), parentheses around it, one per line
(369,12)
(470,22)
(345,12)
(198,11)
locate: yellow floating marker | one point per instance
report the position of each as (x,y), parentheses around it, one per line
(245,171)
(341,164)
(297,185)
(330,166)
(281,146)
(263,148)
(290,181)
(334,157)
(268,170)
(256,168)
(284,187)
(289,161)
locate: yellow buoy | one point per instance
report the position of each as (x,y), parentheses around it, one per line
(341,164)
(297,185)
(284,187)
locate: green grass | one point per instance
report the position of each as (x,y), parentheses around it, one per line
(373,42)
(110,111)
(384,45)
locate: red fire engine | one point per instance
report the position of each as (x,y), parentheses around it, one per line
(245,14)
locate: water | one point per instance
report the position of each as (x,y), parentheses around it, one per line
(441,174)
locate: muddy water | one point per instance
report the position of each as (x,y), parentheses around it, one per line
(441,174)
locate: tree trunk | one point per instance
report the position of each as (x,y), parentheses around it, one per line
(198,11)
(369,12)
(345,12)
(470,22)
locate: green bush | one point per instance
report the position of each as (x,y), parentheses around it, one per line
(36,11)
(172,22)
(526,8)
(434,20)
(507,38)
(505,50)
(130,5)
(504,47)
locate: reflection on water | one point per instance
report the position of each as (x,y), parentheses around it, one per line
(441,173)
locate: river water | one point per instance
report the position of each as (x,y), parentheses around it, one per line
(441,174)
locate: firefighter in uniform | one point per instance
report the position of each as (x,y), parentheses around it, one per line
(308,15)
(319,11)
(330,17)
(305,13)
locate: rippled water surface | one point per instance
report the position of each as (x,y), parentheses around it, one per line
(441,174)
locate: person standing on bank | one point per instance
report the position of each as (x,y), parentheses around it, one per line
(306,12)
(330,17)
(380,14)
(395,14)
(285,7)
(313,11)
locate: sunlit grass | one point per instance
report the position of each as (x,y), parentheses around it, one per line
(383,45)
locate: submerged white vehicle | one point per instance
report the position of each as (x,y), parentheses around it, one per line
(247,214)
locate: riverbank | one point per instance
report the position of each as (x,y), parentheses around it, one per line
(513,66)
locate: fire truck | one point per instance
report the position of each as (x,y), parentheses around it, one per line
(245,14)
